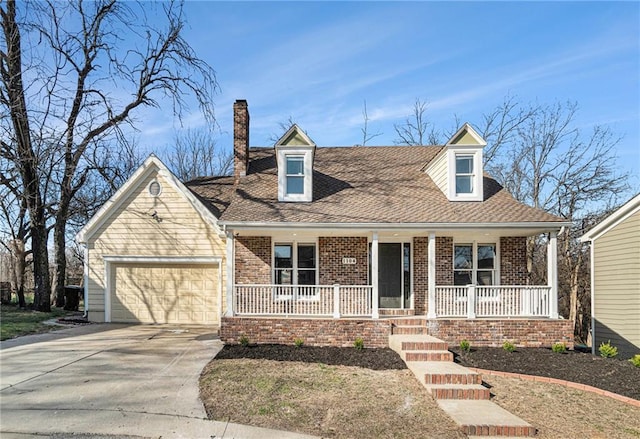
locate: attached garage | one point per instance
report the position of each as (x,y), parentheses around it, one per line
(165,292)
(154,253)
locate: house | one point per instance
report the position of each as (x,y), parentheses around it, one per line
(615,279)
(326,244)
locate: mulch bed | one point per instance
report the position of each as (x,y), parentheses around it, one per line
(376,359)
(618,376)
(614,375)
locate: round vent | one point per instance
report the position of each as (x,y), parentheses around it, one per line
(155,188)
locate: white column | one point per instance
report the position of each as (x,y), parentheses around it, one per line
(552,274)
(336,301)
(431,277)
(471,301)
(374,276)
(230,280)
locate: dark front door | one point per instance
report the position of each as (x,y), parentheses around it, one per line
(390,275)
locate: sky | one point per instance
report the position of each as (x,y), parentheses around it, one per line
(319,62)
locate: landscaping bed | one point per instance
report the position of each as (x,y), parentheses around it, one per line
(612,374)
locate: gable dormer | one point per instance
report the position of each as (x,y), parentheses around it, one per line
(458,169)
(294,153)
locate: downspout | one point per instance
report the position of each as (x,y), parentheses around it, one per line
(593,296)
(85,281)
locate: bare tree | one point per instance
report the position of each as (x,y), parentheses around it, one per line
(283,127)
(104,61)
(416,129)
(195,153)
(547,162)
(366,135)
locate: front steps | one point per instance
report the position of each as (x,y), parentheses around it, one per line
(456,389)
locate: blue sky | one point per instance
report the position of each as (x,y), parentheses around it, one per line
(318,63)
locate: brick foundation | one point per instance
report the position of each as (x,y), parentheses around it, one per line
(314,332)
(522,332)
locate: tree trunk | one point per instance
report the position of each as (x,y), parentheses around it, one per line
(59,243)
(42,286)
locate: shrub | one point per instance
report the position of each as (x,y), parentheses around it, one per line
(244,340)
(465,346)
(298,342)
(559,348)
(635,360)
(608,351)
(508,346)
(358,343)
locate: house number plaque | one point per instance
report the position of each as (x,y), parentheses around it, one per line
(348,261)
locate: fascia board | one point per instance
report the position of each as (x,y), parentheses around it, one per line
(628,209)
(395,226)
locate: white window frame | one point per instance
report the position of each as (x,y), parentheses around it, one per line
(474,255)
(297,158)
(294,262)
(306,153)
(470,175)
(477,192)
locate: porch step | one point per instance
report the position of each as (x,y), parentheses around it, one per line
(427,356)
(440,372)
(391,312)
(409,330)
(459,391)
(484,418)
(417,343)
(409,321)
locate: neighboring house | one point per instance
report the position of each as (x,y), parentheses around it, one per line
(327,244)
(615,279)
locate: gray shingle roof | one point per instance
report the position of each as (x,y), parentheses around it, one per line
(360,185)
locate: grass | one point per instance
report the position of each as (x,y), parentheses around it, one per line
(15,322)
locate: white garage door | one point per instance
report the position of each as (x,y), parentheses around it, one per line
(164,293)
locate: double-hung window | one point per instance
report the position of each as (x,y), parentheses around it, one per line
(294,175)
(474,264)
(464,174)
(295,264)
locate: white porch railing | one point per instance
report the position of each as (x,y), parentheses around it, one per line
(493,301)
(303,300)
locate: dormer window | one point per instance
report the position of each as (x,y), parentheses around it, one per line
(457,169)
(294,155)
(464,174)
(295,175)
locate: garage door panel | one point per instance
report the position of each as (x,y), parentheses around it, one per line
(163,293)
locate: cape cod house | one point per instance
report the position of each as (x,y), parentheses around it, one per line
(326,244)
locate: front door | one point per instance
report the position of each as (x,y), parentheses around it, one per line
(390,275)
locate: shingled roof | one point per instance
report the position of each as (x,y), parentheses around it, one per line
(359,185)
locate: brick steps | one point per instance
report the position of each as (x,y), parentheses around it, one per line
(456,389)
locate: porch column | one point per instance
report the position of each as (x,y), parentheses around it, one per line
(230,280)
(552,274)
(431,277)
(374,276)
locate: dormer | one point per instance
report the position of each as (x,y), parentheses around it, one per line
(458,169)
(295,152)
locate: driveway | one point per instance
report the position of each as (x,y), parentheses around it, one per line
(112,380)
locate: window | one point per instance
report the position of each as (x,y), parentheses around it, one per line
(474,264)
(295,175)
(155,189)
(464,174)
(294,264)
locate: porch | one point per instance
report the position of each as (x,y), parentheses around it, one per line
(337,301)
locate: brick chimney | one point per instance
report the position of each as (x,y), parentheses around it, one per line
(240,138)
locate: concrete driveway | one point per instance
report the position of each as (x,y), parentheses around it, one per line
(112,380)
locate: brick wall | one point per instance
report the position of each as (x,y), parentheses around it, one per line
(314,332)
(253,260)
(420,274)
(521,332)
(513,260)
(332,270)
(444,260)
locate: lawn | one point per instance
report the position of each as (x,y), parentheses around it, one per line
(15,322)
(320,396)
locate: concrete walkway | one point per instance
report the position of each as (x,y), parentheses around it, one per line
(113,381)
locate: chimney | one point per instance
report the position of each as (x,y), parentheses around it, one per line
(240,138)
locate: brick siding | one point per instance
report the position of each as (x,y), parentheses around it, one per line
(253,260)
(513,260)
(420,274)
(333,271)
(314,332)
(490,332)
(444,260)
